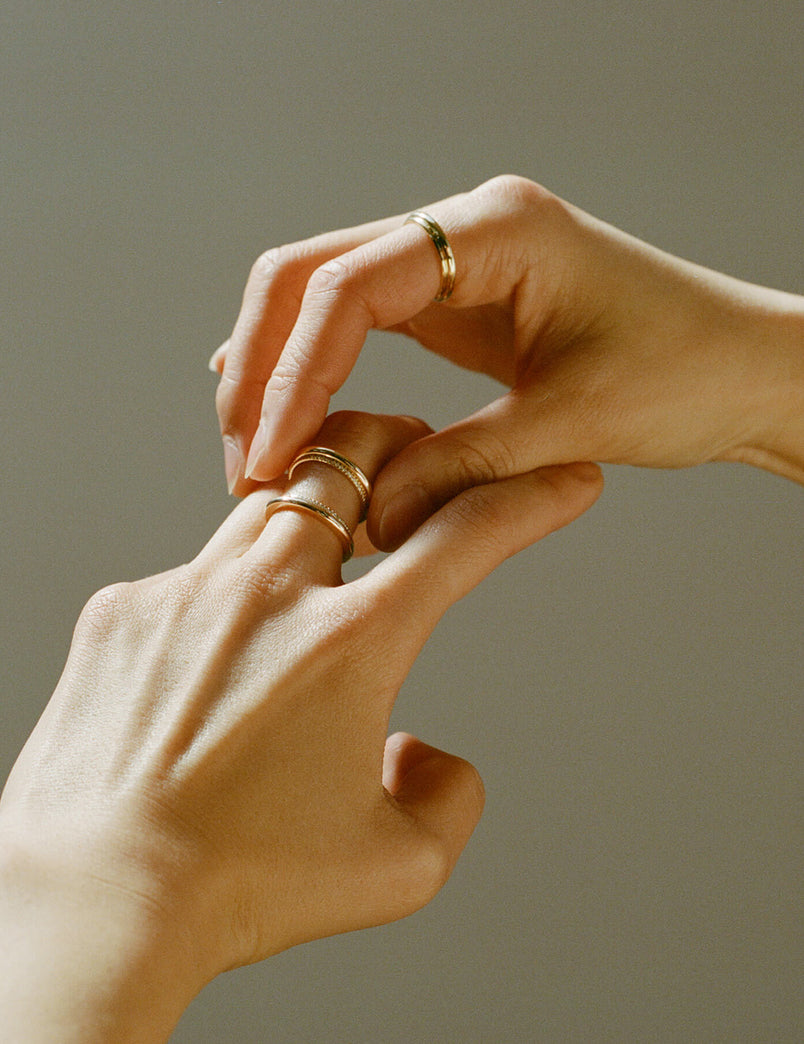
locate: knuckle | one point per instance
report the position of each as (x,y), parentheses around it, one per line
(520,197)
(337,281)
(516,190)
(485,459)
(289,371)
(333,275)
(107,609)
(273,263)
(341,627)
(346,623)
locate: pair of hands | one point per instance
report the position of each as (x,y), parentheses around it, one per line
(211,781)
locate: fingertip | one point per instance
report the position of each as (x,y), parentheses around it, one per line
(233,461)
(586,472)
(414,770)
(271,449)
(585,476)
(402,515)
(420,427)
(218,358)
(393,765)
(444,795)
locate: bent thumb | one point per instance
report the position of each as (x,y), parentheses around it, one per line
(497,442)
(443,795)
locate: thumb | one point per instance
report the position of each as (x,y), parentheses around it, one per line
(464,541)
(498,441)
(442,795)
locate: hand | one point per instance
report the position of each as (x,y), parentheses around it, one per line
(613,350)
(211,781)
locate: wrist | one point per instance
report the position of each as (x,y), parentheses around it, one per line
(83,960)
(775,441)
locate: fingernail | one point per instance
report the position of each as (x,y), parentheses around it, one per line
(258,444)
(233,461)
(216,356)
(404,512)
(585,471)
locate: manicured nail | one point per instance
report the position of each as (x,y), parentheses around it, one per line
(215,358)
(233,461)
(258,445)
(404,512)
(269,435)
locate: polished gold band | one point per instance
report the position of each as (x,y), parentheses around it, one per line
(317,510)
(445,255)
(347,468)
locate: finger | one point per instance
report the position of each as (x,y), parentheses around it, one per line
(240,528)
(218,358)
(268,311)
(444,797)
(496,442)
(385,283)
(467,539)
(363,544)
(303,546)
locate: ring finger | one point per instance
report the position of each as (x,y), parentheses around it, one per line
(305,538)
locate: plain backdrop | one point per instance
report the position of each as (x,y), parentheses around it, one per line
(631,688)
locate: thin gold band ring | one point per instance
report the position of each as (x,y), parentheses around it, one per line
(319,511)
(347,468)
(445,254)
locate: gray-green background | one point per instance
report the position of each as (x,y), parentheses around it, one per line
(631,688)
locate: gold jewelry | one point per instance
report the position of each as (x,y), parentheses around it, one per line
(317,510)
(445,254)
(347,468)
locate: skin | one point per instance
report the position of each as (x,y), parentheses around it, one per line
(613,351)
(212,780)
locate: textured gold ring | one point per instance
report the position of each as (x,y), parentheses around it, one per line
(445,254)
(319,511)
(347,468)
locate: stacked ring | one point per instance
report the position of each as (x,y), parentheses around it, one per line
(445,254)
(317,510)
(347,468)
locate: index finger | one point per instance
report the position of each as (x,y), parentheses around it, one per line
(344,299)
(268,311)
(382,283)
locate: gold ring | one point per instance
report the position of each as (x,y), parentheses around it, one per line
(445,254)
(317,510)
(347,468)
